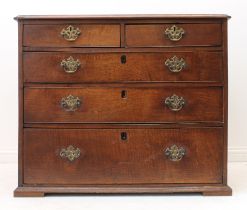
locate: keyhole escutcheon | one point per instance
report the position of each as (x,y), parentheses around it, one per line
(124,94)
(124,136)
(123,59)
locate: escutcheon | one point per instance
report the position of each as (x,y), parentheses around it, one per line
(174,153)
(175,64)
(70,65)
(70,103)
(174,33)
(174,102)
(70,33)
(70,153)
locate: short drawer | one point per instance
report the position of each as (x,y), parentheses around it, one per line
(75,35)
(122,104)
(122,67)
(162,35)
(103,156)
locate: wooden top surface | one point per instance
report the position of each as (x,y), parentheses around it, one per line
(129,16)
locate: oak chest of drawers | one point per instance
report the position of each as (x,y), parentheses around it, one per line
(122,104)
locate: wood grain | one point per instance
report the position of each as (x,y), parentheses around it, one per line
(105,104)
(91,36)
(107,163)
(123,189)
(225,95)
(20,104)
(127,16)
(107,67)
(154,35)
(106,159)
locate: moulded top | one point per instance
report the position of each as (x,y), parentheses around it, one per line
(124,16)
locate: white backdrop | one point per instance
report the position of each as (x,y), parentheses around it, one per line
(237,55)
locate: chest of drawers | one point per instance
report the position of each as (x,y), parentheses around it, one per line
(122,104)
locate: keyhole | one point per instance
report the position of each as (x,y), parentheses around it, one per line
(123,136)
(124,94)
(123,59)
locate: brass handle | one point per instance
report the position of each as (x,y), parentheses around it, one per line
(70,65)
(175,64)
(70,33)
(174,153)
(70,103)
(174,102)
(70,152)
(174,33)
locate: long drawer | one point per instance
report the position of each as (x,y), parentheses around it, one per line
(169,35)
(103,156)
(122,104)
(75,35)
(122,67)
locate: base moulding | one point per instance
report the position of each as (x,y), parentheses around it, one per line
(223,190)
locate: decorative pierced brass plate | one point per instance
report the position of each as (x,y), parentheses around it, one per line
(70,103)
(174,33)
(70,65)
(175,64)
(70,153)
(174,102)
(70,33)
(174,153)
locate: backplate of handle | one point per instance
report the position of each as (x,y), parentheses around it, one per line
(70,153)
(70,65)
(174,102)
(174,33)
(175,153)
(70,33)
(70,103)
(175,64)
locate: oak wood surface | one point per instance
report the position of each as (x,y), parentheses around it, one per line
(107,159)
(153,35)
(122,49)
(20,104)
(123,125)
(127,16)
(225,95)
(107,67)
(91,36)
(125,84)
(123,189)
(105,104)
(201,126)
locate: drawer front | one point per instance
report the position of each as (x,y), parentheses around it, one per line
(72,35)
(124,67)
(125,104)
(101,156)
(162,35)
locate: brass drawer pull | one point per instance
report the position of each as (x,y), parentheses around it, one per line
(174,153)
(70,103)
(70,33)
(175,64)
(174,102)
(70,152)
(174,33)
(70,65)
